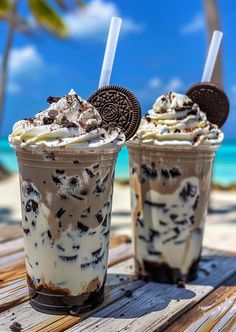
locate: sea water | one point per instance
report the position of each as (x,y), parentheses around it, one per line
(224,166)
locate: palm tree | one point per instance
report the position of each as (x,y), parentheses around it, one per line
(45,15)
(213,23)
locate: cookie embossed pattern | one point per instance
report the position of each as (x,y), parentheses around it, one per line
(114,104)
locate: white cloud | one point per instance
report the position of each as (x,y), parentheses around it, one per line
(174,84)
(154,82)
(93,21)
(233,94)
(25,59)
(13,88)
(233,89)
(24,64)
(195,25)
(156,87)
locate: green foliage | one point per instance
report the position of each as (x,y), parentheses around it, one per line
(5,7)
(48,17)
(65,5)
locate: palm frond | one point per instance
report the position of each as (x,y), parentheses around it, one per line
(80,3)
(48,17)
(21,24)
(65,5)
(5,7)
(62,4)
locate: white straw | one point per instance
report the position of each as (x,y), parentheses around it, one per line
(110,51)
(211,56)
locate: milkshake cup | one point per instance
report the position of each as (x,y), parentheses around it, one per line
(66,157)
(66,199)
(171,160)
(169,197)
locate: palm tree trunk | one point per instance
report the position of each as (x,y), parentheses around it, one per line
(6,53)
(213,23)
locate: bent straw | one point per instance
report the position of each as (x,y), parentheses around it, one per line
(110,51)
(211,56)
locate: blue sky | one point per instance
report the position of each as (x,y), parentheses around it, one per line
(162,47)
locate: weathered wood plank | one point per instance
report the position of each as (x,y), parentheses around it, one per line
(153,306)
(159,304)
(217,312)
(117,239)
(119,280)
(10,247)
(13,273)
(8,233)
(120,253)
(12,259)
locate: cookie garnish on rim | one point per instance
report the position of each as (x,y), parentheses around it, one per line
(118,107)
(212,100)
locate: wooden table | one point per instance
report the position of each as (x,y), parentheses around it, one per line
(207,304)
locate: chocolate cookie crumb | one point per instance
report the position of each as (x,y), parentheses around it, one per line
(83,228)
(181,284)
(47,120)
(31,205)
(89,172)
(60,171)
(53,113)
(16,327)
(56,180)
(26,231)
(51,99)
(60,212)
(74,311)
(128,293)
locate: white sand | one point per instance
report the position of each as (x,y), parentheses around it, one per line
(220,231)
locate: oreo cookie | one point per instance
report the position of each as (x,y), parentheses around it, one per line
(212,100)
(118,107)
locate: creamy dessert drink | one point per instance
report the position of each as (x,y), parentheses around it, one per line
(171,159)
(66,159)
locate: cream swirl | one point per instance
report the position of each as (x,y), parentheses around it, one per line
(71,122)
(175,119)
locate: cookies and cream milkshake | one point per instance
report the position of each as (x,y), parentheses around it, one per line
(66,159)
(171,159)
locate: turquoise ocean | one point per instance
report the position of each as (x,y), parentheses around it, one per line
(224,172)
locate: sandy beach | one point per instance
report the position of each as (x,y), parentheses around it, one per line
(220,231)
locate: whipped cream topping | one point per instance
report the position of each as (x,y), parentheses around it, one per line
(69,121)
(175,119)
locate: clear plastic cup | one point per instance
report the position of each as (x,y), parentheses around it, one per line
(66,198)
(170,188)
